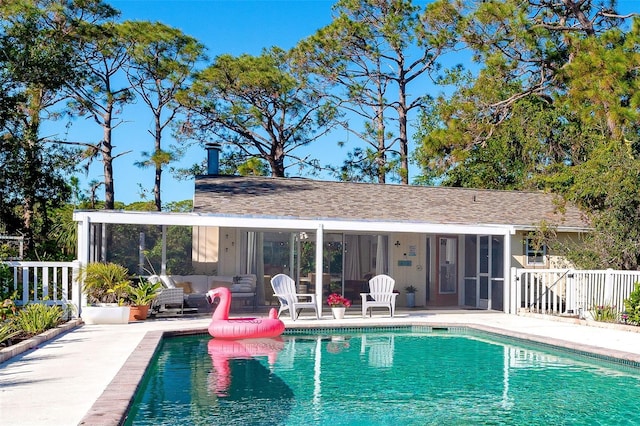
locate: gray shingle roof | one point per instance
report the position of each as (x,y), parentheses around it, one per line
(312,199)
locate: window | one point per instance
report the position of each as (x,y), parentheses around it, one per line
(535,252)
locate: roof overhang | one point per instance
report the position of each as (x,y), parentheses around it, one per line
(282,223)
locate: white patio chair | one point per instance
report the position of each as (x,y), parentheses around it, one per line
(284,288)
(380,295)
(169,297)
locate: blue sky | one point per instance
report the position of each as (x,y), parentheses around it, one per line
(223,26)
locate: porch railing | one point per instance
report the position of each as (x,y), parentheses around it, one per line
(570,291)
(53,283)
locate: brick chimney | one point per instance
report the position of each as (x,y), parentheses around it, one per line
(213,158)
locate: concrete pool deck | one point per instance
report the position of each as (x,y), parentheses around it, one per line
(60,381)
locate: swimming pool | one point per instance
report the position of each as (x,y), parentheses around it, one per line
(381,378)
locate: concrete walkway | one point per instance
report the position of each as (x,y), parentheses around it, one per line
(59,382)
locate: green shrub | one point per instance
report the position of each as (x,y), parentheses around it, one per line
(144,293)
(36,318)
(632,306)
(605,313)
(7,332)
(7,308)
(105,283)
(6,281)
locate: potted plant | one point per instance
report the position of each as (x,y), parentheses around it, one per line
(140,298)
(106,287)
(411,296)
(338,304)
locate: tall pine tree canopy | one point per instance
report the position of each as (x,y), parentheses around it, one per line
(554,105)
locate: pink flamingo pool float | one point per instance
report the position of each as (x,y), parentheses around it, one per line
(221,327)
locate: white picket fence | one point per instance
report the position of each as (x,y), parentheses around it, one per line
(570,291)
(53,283)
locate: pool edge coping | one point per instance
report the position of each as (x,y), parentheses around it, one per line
(113,405)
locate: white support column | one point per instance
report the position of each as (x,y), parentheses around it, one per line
(83,240)
(84,247)
(319,259)
(292,256)
(260,268)
(297,267)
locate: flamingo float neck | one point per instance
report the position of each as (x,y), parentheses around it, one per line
(222,310)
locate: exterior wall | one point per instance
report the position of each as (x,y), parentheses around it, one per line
(228,251)
(517,250)
(556,261)
(413,249)
(205,249)
(552,260)
(413,260)
(215,250)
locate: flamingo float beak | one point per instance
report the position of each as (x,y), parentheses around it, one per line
(210,297)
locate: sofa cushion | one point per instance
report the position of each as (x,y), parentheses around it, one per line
(198,282)
(241,288)
(220,281)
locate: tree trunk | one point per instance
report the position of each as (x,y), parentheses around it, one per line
(381,157)
(276,160)
(277,167)
(402,137)
(107,160)
(31,171)
(158,163)
(32,165)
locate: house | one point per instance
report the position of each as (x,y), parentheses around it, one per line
(455,245)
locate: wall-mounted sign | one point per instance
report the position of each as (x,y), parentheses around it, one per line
(412,250)
(404,263)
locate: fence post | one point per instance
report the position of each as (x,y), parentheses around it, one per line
(25,285)
(608,287)
(514,293)
(76,290)
(571,293)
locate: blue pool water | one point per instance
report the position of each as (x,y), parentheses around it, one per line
(381,378)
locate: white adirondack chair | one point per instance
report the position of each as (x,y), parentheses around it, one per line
(284,288)
(380,295)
